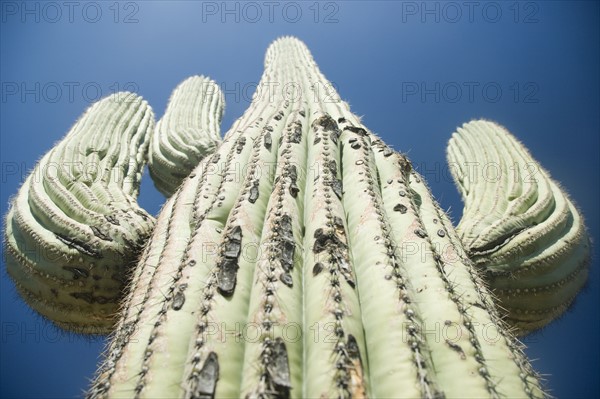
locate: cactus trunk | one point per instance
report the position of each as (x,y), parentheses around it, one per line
(305,258)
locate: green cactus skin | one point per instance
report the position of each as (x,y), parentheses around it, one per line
(303,221)
(74,229)
(518,226)
(188,131)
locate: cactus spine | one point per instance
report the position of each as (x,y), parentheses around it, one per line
(518,226)
(74,229)
(188,131)
(321,271)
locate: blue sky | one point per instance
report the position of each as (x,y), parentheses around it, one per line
(414,71)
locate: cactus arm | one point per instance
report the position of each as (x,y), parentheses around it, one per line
(74,227)
(530,241)
(188,132)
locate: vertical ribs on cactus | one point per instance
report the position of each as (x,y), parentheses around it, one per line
(298,257)
(74,229)
(299,277)
(519,227)
(188,131)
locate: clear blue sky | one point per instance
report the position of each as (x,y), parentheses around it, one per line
(414,71)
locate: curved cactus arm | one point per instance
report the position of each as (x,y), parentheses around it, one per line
(74,228)
(518,225)
(188,131)
(303,222)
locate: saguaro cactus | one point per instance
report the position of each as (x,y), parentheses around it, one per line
(302,257)
(74,230)
(305,258)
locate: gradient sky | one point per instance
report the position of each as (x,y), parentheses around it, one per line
(531,66)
